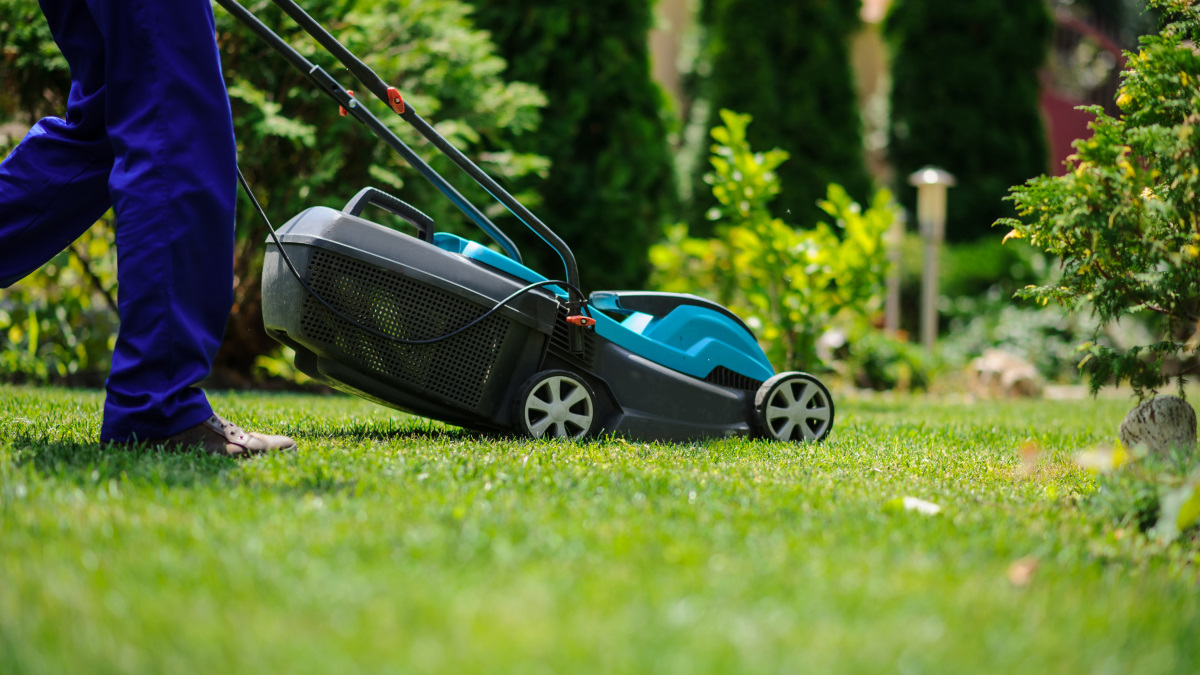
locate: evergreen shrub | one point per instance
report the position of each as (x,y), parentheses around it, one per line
(791,285)
(787,64)
(1125,220)
(611,184)
(965,98)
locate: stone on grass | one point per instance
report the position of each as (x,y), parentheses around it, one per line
(1001,374)
(1162,423)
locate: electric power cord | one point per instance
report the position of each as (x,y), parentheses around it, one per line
(368,329)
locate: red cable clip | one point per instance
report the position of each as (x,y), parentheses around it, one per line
(580,320)
(395,100)
(341,110)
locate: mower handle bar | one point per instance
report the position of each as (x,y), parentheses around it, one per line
(363,73)
(376,197)
(379,88)
(330,87)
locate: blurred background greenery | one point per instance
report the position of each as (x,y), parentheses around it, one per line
(600,117)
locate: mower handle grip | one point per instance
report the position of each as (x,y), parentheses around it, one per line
(377,197)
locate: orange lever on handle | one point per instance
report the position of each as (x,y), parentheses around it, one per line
(395,100)
(580,320)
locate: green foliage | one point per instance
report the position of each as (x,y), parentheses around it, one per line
(1048,339)
(60,325)
(1179,513)
(294,148)
(970,269)
(965,98)
(790,284)
(978,312)
(1146,492)
(788,65)
(879,362)
(611,185)
(1125,220)
(34,76)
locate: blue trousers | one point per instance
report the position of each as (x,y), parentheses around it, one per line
(148,132)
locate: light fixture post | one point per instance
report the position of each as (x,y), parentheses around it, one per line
(931,183)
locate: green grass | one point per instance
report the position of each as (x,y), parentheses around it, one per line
(390,543)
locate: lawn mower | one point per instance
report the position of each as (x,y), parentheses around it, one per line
(443,327)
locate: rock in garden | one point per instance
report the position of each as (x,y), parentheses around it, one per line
(1001,374)
(1160,424)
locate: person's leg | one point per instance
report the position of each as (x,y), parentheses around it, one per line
(173,186)
(54,185)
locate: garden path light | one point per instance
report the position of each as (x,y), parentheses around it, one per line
(931,183)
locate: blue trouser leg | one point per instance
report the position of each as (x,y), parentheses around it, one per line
(150,71)
(54,185)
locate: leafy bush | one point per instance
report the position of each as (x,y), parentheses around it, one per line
(1158,494)
(976,267)
(978,313)
(34,77)
(1124,219)
(61,323)
(788,65)
(965,98)
(1046,339)
(880,362)
(792,285)
(611,183)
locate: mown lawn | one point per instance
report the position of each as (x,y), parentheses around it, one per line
(390,543)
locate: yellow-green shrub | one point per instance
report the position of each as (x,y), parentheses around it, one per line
(790,285)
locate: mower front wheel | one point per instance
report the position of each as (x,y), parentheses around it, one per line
(793,407)
(555,404)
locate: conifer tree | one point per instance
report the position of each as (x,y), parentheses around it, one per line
(611,186)
(965,98)
(787,64)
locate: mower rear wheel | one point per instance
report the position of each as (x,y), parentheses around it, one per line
(555,404)
(793,407)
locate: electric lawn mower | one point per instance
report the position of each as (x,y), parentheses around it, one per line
(447,328)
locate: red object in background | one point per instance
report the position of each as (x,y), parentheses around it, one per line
(1075,47)
(1064,124)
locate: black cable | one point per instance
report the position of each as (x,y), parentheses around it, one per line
(391,338)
